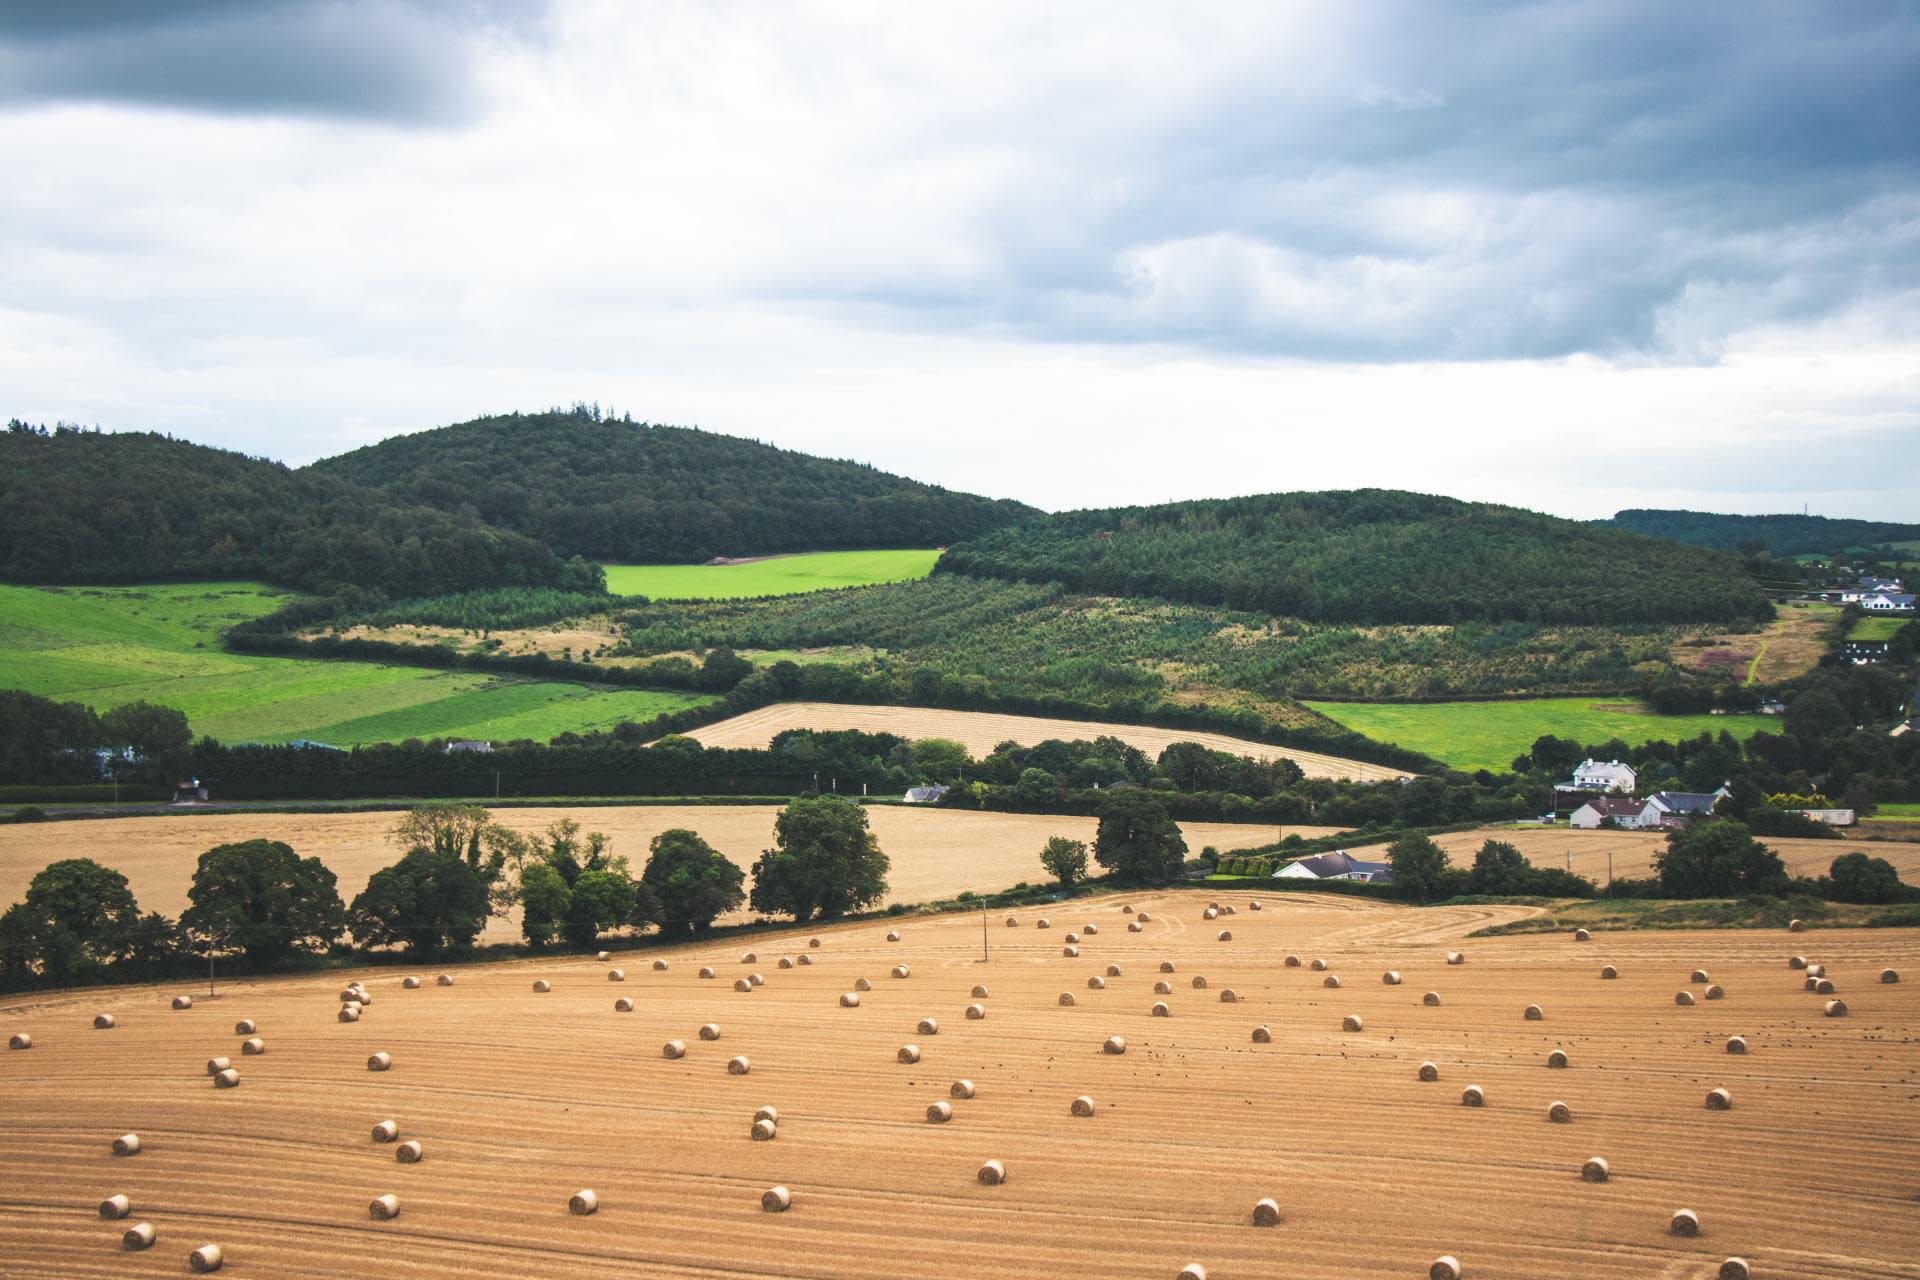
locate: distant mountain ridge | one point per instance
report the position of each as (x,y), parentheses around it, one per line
(1783,535)
(1370,556)
(623,491)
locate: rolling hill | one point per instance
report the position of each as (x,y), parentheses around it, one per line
(1369,556)
(623,491)
(1783,535)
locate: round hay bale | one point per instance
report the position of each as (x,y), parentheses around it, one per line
(253,1048)
(909,1054)
(939,1112)
(1212,913)
(659,966)
(381,1061)
(1318,965)
(1608,972)
(1192,1271)
(1581,935)
(444,980)
(1113,971)
(1683,998)
(1685,1222)
(1114,1045)
(776,1199)
(103,1022)
(604,956)
(1595,1170)
(849,999)
(1455,957)
(1889,976)
(386,1131)
(893,935)
(1331,982)
(616,975)
(1066,998)
(1429,1072)
(1796,926)
(901,971)
(1012,922)
(1096,983)
(979,991)
(1199,982)
(1816,971)
(226,1078)
(1144,918)
(1225,935)
(1812,984)
(813,943)
(1090,929)
(1292,962)
(741,984)
(1391,978)
(1559,1113)
(1072,936)
(1160,1010)
(1082,1106)
(709,1031)
(1071,953)
(1445,1267)
(960,1089)
(1352,1022)
(127,1144)
(1473,1096)
(738,1065)
(1836,1008)
(542,986)
(1043,923)
(1254,905)
(768,1113)
(862,984)
(1431,999)
(992,1174)
(1698,975)
(1719,1100)
(805,959)
(1736,1268)
(183,1002)
(1134,926)
(114,1208)
(140,1235)
(749,958)
(623,1005)
(20,1040)
(244,1027)
(765,1130)
(674,1049)
(1533,1013)
(929,1027)
(1166,966)
(410,1152)
(384,1208)
(1736,1044)
(975,1012)
(1261,1035)
(350,1013)
(1163,988)
(1796,962)
(1824,986)
(410,983)
(1557,1059)
(706,971)
(1715,992)
(786,962)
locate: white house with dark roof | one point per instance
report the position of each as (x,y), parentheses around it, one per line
(1887,602)
(1339,865)
(1622,811)
(1603,775)
(1670,807)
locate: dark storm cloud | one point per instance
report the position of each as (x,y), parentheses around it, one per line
(401,62)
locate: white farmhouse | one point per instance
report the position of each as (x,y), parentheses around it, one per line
(1609,775)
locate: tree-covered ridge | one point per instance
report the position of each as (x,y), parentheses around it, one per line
(624,491)
(1368,555)
(1783,535)
(86,506)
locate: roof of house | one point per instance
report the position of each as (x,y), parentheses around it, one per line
(922,795)
(1685,801)
(1329,865)
(1615,806)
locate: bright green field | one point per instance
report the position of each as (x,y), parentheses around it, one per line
(1488,735)
(779,576)
(1877,628)
(108,645)
(1903,812)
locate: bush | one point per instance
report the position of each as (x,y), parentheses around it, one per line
(29,813)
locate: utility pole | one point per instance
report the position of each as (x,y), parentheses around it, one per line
(496,784)
(983,933)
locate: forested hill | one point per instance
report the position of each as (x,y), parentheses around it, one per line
(618,490)
(1370,556)
(1783,535)
(87,506)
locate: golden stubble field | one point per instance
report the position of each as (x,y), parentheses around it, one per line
(981,731)
(521,1099)
(936,853)
(1632,852)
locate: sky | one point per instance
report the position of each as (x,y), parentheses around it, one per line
(1575,256)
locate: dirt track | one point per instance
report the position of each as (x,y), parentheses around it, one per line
(981,731)
(521,1099)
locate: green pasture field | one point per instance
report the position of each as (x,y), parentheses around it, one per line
(1877,628)
(775,576)
(1488,735)
(1903,812)
(105,646)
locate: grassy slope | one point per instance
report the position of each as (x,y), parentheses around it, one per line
(1877,628)
(780,575)
(1488,735)
(105,646)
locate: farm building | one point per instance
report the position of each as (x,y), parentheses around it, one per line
(1622,811)
(1602,775)
(924,795)
(1888,602)
(192,791)
(1669,807)
(1335,866)
(468,745)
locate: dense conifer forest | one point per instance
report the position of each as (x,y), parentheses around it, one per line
(1783,535)
(1369,556)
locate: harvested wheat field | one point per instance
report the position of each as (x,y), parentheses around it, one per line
(1633,851)
(799,1137)
(981,731)
(936,853)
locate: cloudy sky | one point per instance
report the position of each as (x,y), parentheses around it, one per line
(1575,255)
